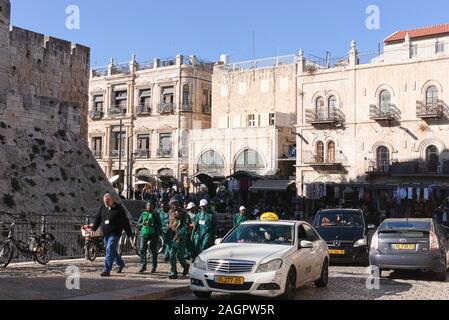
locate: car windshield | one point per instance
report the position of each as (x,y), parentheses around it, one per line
(339,219)
(405,225)
(261,233)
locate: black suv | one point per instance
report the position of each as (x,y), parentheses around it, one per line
(346,233)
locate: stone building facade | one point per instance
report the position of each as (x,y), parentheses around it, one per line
(157,103)
(46,166)
(370,130)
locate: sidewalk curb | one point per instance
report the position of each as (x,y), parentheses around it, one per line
(162,295)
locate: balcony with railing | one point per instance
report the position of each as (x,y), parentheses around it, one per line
(206,108)
(165,107)
(429,111)
(330,117)
(117,111)
(164,153)
(96,114)
(187,107)
(147,65)
(120,68)
(388,113)
(143,109)
(331,162)
(97,154)
(436,168)
(116,154)
(142,153)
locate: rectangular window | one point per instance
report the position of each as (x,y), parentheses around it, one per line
(121,101)
(165,144)
(414,51)
(118,142)
(439,47)
(168,95)
(98,103)
(272,119)
(206,101)
(145,101)
(97,146)
(143,145)
(251,120)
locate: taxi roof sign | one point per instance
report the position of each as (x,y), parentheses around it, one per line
(269,216)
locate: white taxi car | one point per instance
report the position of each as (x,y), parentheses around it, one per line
(262,258)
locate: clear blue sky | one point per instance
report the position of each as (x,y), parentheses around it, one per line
(208,28)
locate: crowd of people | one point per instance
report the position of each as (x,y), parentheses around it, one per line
(187,229)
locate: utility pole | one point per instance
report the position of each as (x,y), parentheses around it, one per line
(120,157)
(128,173)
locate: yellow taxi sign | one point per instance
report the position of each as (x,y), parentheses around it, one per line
(269,216)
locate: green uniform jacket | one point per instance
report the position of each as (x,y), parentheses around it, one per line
(164,218)
(150,224)
(204,230)
(238,219)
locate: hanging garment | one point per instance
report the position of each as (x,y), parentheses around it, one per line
(403,193)
(410,193)
(426,194)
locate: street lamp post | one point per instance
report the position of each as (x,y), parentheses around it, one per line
(120,158)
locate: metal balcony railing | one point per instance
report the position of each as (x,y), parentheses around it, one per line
(96,114)
(100,72)
(116,111)
(147,65)
(142,153)
(164,153)
(407,167)
(116,153)
(187,107)
(426,111)
(143,109)
(389,113)
(334,160)
(165,107)
(167,62)
(326,116)
(206,108)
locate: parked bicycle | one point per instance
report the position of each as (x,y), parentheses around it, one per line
(39,248)
(93,242)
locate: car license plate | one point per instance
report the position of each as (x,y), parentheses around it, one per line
(401,246)
(230,280)
(339,252)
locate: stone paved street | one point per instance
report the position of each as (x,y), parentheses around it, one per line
(349,283)
(35,282)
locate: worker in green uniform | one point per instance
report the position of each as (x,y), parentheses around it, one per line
(150,228)
(241,217)
(164,217)
(176,237)
(190,245)
(204,228)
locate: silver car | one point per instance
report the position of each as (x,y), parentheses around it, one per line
(411,244)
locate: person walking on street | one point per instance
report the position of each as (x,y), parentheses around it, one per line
(241,217)
(164,217)
(204,228)
(150,225)
(190,245)
(113,220)
(177,235)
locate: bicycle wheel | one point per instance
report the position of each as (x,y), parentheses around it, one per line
(90,251)
(137,245)
(121,245)
(44,252)
(6,254)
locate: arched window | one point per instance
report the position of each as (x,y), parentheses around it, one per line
(330,152)
(186,96)
(383,159)
(432,159)
(384,101)
(319,152)
(332,103)
(431,97)
(249,160)
(320,108)
(211,162)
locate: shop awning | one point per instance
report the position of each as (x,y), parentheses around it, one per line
(246,175)
(272,185)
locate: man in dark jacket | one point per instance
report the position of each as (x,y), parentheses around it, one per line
(113,220)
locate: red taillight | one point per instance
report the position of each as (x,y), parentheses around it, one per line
(434,245)
(375,242)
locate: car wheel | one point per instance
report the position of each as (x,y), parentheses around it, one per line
(202,295)
(290,285)
(442,276)
(324,279)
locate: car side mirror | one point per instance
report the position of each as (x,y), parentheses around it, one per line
(304,244)
(218,241)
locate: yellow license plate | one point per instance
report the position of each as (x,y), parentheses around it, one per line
(339,252)
(404,246)
(230,280)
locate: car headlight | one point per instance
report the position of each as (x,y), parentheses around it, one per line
(361,242)
(273,265)
(199,264)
